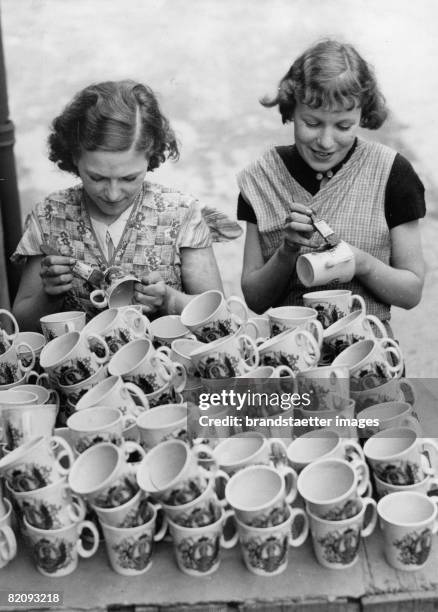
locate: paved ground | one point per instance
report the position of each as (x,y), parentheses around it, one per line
(211,60)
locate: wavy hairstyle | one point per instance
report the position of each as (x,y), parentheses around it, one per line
(331,75)
(112,116)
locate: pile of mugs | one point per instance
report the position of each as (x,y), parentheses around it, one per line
(124,452)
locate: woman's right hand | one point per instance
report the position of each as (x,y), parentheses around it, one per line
(298,228)
(56,274)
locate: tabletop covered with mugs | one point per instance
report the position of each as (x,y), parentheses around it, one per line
(106,475)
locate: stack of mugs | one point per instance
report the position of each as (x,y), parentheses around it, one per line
(171,475)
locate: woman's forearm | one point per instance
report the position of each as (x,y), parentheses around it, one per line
(390,285)
(266,286)
(29,309)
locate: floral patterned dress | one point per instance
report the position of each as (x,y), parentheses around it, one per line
(162,222)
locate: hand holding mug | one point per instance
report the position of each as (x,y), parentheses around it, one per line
(151,292)
(56,274)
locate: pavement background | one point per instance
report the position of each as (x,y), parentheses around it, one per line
(210,61)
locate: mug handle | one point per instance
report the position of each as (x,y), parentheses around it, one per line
(392,348)
(250,325)
(138,323)
(234,299)
(232,541)
(359,299)
(43,380)
(297,541)
(410,421)
(159,535)
(279,370)
(378,323)
(66,452)
(133,389)
(8,548)
(54,397)
(103,344)
(181,377)
(77,510)
(301,337)
(130,446)
(369,503)
(30,350)
(10,316)
(408,391)
(245,342)
(351,447)
(162,362)
(220,475)
(87,552)
(317,331)
(363,475)
(430,447)
(99,299)
(290,482)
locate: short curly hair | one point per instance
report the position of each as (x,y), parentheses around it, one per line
(331,75)
(112,116)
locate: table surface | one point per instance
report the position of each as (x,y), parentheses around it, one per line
(370,584)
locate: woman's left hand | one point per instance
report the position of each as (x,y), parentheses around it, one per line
(151,293)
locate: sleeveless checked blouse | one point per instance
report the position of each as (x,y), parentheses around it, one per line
(352,203)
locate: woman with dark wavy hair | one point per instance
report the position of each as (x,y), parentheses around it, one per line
(110,136)
(369,194)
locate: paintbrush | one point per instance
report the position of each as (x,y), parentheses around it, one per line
(325,231)
(88,273)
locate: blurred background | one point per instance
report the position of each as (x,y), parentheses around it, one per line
(210,61)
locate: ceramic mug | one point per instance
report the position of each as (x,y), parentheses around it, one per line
(170,473)
(44,396)
(427,486)
(197,549)
(296,349)
(169,328)
(130,549)
(282,318)
(14,363)
(102,475)
(113,391)
(35,464)
(119,326)
(170,393)
(335,265)
(408,521)
(336,543)
(225,357)
(321,444)
(388,415)
(353,327)
(69,359)
(95,425)
(180,352)
(56,551)
(249,448)
(134,512)
(393,390)
(148,368)
(209,315)
(333,304)
(322,381)
(332,487)
(23,422)
(265,549)
(260,495)
(119,293)
(55,325)
(396,455)
(162,423)
(369,362)
(50,507)
(36,342)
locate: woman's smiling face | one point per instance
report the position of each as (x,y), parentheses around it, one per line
(324,137)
